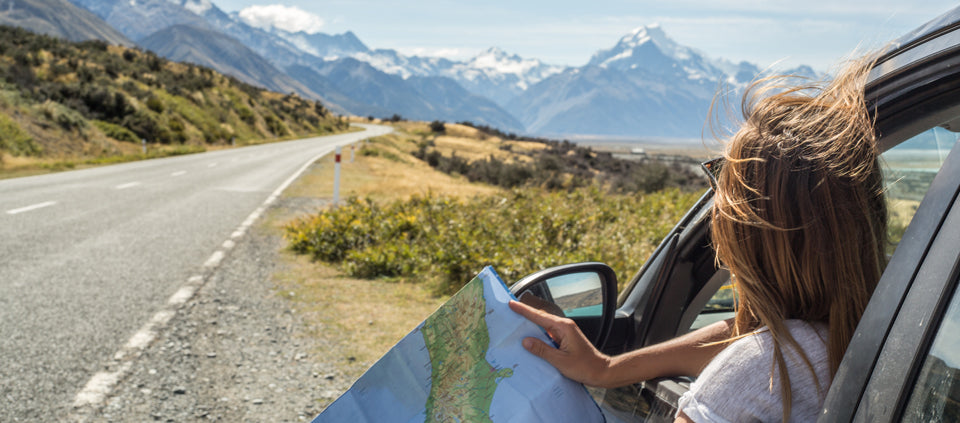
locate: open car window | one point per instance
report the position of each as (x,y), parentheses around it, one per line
(908,170)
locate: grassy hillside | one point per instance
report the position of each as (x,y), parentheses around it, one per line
(63,102)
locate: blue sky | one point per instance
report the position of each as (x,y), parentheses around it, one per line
(819,33)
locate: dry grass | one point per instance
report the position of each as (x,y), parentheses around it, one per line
(391,175)
(366,317)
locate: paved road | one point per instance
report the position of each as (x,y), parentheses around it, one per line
(88,256)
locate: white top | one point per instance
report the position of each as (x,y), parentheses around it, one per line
(736,386)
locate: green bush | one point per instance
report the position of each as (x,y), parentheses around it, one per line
(154,103)
(64,117)
(116,132)
(446,241)
(14,140)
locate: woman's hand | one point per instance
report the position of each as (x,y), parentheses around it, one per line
(576,358)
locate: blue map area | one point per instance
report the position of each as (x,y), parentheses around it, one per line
(396,387)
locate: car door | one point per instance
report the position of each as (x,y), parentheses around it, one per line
(916,92)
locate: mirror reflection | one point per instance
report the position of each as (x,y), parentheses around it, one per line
(578,294)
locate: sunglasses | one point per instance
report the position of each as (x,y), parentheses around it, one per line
(712,169)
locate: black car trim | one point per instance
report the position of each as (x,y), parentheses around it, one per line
(864,349)
(943,23)
(915,325)
(630,298)
(899,61)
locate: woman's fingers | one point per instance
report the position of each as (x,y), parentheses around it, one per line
(540,317)
(542,350)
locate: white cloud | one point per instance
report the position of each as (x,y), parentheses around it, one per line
(288,18)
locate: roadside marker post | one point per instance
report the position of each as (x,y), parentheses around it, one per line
(143,142)
(336,177)
(353,152)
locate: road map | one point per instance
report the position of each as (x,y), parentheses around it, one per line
(465,363)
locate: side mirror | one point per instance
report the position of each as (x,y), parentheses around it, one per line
(584,292)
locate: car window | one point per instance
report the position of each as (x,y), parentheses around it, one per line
(719,307)
(908,170)
(936,395)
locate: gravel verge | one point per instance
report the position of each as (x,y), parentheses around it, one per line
(237,351)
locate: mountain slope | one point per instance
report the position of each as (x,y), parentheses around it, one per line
(331,92)
(58,18)
(273,48)
(645,85)
(139,18)
(222,53)
(599,101)
(426,98)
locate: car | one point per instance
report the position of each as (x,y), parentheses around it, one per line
(903,362)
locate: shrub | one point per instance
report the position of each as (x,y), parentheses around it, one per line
(438,127)
(154,103)
(275,125)
(64,117)
(116,132)
(446,241)
(15,140)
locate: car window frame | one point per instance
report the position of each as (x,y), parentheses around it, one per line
(908,101)
(916,322)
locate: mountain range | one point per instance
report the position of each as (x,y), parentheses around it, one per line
(644,85)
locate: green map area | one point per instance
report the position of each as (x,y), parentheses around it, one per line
(462,381)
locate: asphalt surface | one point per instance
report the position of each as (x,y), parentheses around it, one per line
(239,351)
(88,256)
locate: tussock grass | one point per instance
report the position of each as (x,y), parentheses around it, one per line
(382,178)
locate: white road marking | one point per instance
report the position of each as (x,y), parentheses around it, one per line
(212,164)
(95,393)
(99,386)
(214,259)
(32,207)
(127,185)
(179,173)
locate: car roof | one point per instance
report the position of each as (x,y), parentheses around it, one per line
(917,45)
(916,79)
(930,29)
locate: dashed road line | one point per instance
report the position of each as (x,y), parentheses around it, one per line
(214,164)
(31,207)
(127,185)
(98,388)
(179,173)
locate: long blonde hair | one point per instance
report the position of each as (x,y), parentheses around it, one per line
(799,217)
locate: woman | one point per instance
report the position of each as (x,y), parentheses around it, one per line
(799,219)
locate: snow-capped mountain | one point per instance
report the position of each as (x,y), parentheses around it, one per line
(644,84)
(497,75)
(648,48)
(138,19)
(493,73)
(496,64)
(324,46)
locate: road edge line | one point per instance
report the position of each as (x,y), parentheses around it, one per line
(98,388)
